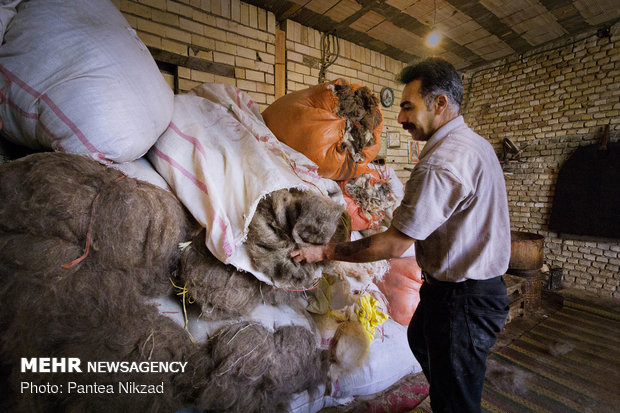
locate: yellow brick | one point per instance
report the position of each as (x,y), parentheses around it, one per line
(225,8)
(177,8)
(191,26)
(203,42)
(262,19)
(254,75)
(203,18)
(246,85)
(256,45)
(215,33)
(205,5)
(174,47)
(204,55)
(225,80)
(202,77)
(158,4)
(176,34)
(184,72)
(235,10)
(245,52)
(246,63)
(245,14)
(253,17)
(265,88)
(186,85)
(224,58)
(226,48)
(134,8)
(150,39)
(239,73)
(150,27)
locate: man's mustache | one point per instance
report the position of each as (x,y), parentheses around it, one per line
(408,126)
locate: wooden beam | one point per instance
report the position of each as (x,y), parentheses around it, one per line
(195,63)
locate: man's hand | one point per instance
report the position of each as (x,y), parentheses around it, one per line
(310,254)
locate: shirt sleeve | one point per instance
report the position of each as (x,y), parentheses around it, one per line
(432,195)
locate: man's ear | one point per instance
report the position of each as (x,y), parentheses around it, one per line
(441,104)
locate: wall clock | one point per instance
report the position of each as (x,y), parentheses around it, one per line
(387,97)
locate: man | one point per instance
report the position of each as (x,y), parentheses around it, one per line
(455,210)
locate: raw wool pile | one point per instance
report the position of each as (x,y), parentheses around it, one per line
(54,203)
(95,315)
(256,370)
(285,220)
(93,308)
(360,108)
(221,291)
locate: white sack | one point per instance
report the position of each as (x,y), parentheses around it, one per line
(7,12)
(220,159)
(76,78)
(388,360)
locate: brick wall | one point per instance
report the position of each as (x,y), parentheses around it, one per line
(224,34)
(551,101)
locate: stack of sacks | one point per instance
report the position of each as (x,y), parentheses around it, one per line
(81,247)
(257,198)
(335,124)
(91,89)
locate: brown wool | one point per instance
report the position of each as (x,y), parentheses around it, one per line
(135,226)
(284,220)
(255,370)
(95,316)
(298,363)
(221,291)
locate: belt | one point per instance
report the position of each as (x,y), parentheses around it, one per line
(463,285)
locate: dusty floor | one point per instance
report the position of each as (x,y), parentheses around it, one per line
(536,316)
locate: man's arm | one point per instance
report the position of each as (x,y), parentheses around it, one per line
(388,244)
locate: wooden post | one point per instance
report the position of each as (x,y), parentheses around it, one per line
(280,66)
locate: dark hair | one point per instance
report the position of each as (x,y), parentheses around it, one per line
(438,77)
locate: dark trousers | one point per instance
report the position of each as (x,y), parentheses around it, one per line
(451,333)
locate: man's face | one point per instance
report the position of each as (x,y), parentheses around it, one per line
(414,115)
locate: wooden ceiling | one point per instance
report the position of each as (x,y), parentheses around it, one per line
(473,32)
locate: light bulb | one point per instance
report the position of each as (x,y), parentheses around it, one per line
(433,38)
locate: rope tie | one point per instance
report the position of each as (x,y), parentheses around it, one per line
(90,229)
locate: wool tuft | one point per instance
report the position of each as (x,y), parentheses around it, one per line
(221,291)
(361,110)
(285,220)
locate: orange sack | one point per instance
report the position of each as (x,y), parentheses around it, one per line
(311,122)
(401,286)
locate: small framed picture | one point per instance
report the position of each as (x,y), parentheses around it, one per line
(414,151)
(393,139)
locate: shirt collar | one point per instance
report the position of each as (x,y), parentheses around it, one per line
(442,133)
